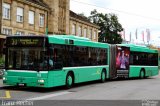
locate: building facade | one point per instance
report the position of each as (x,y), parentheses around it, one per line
(23,17)
(40,17)
(82,27)
(58,17)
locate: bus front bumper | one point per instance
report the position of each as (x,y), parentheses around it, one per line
(25,81)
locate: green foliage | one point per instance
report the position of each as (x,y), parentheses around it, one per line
(109,27)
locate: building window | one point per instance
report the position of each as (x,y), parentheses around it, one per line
(94,35)
(41,20)
(73,29)
(7,31)
(79,31)
(6,11)
(90,33)
(85,32)
(31,17)
(19,14)
(19,33)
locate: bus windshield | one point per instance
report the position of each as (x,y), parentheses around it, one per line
(27,59)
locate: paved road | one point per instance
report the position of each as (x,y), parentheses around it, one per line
(135,89)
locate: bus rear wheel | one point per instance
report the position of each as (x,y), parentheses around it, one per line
(142,74)
(103,76)
(69,80)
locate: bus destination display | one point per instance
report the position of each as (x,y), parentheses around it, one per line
(25,41)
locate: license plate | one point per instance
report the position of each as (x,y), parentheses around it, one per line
(21,84)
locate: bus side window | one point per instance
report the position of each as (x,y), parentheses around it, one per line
(57,58)
(131,59)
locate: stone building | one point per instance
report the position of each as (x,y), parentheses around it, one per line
(24,17)
(1,36)
(40,17)
(58,16)
(80,26)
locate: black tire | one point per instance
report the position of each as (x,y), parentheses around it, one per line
(103,76)
(142,74)
(69,81)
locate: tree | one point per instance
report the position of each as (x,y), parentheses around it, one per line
(109,27)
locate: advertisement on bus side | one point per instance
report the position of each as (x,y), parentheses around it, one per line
(122,60)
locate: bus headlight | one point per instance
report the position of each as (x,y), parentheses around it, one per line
(4,78)
(41,81)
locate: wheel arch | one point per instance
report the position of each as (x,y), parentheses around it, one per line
(73,75)
(143,69)
(105,70)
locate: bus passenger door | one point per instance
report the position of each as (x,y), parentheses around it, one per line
(55,65)
(112,65)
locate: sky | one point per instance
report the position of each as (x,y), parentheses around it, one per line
(132,14)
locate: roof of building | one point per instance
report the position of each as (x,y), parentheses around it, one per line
(74,15)
(39,2)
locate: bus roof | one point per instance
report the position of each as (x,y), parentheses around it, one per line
(139,48)
(75,40)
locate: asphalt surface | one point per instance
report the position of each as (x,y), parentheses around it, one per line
(115,91)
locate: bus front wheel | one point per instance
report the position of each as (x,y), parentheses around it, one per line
(69,80)
(103,76)
(142,74)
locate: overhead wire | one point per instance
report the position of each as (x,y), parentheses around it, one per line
(119,11)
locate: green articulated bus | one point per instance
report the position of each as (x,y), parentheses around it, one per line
(57,60)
